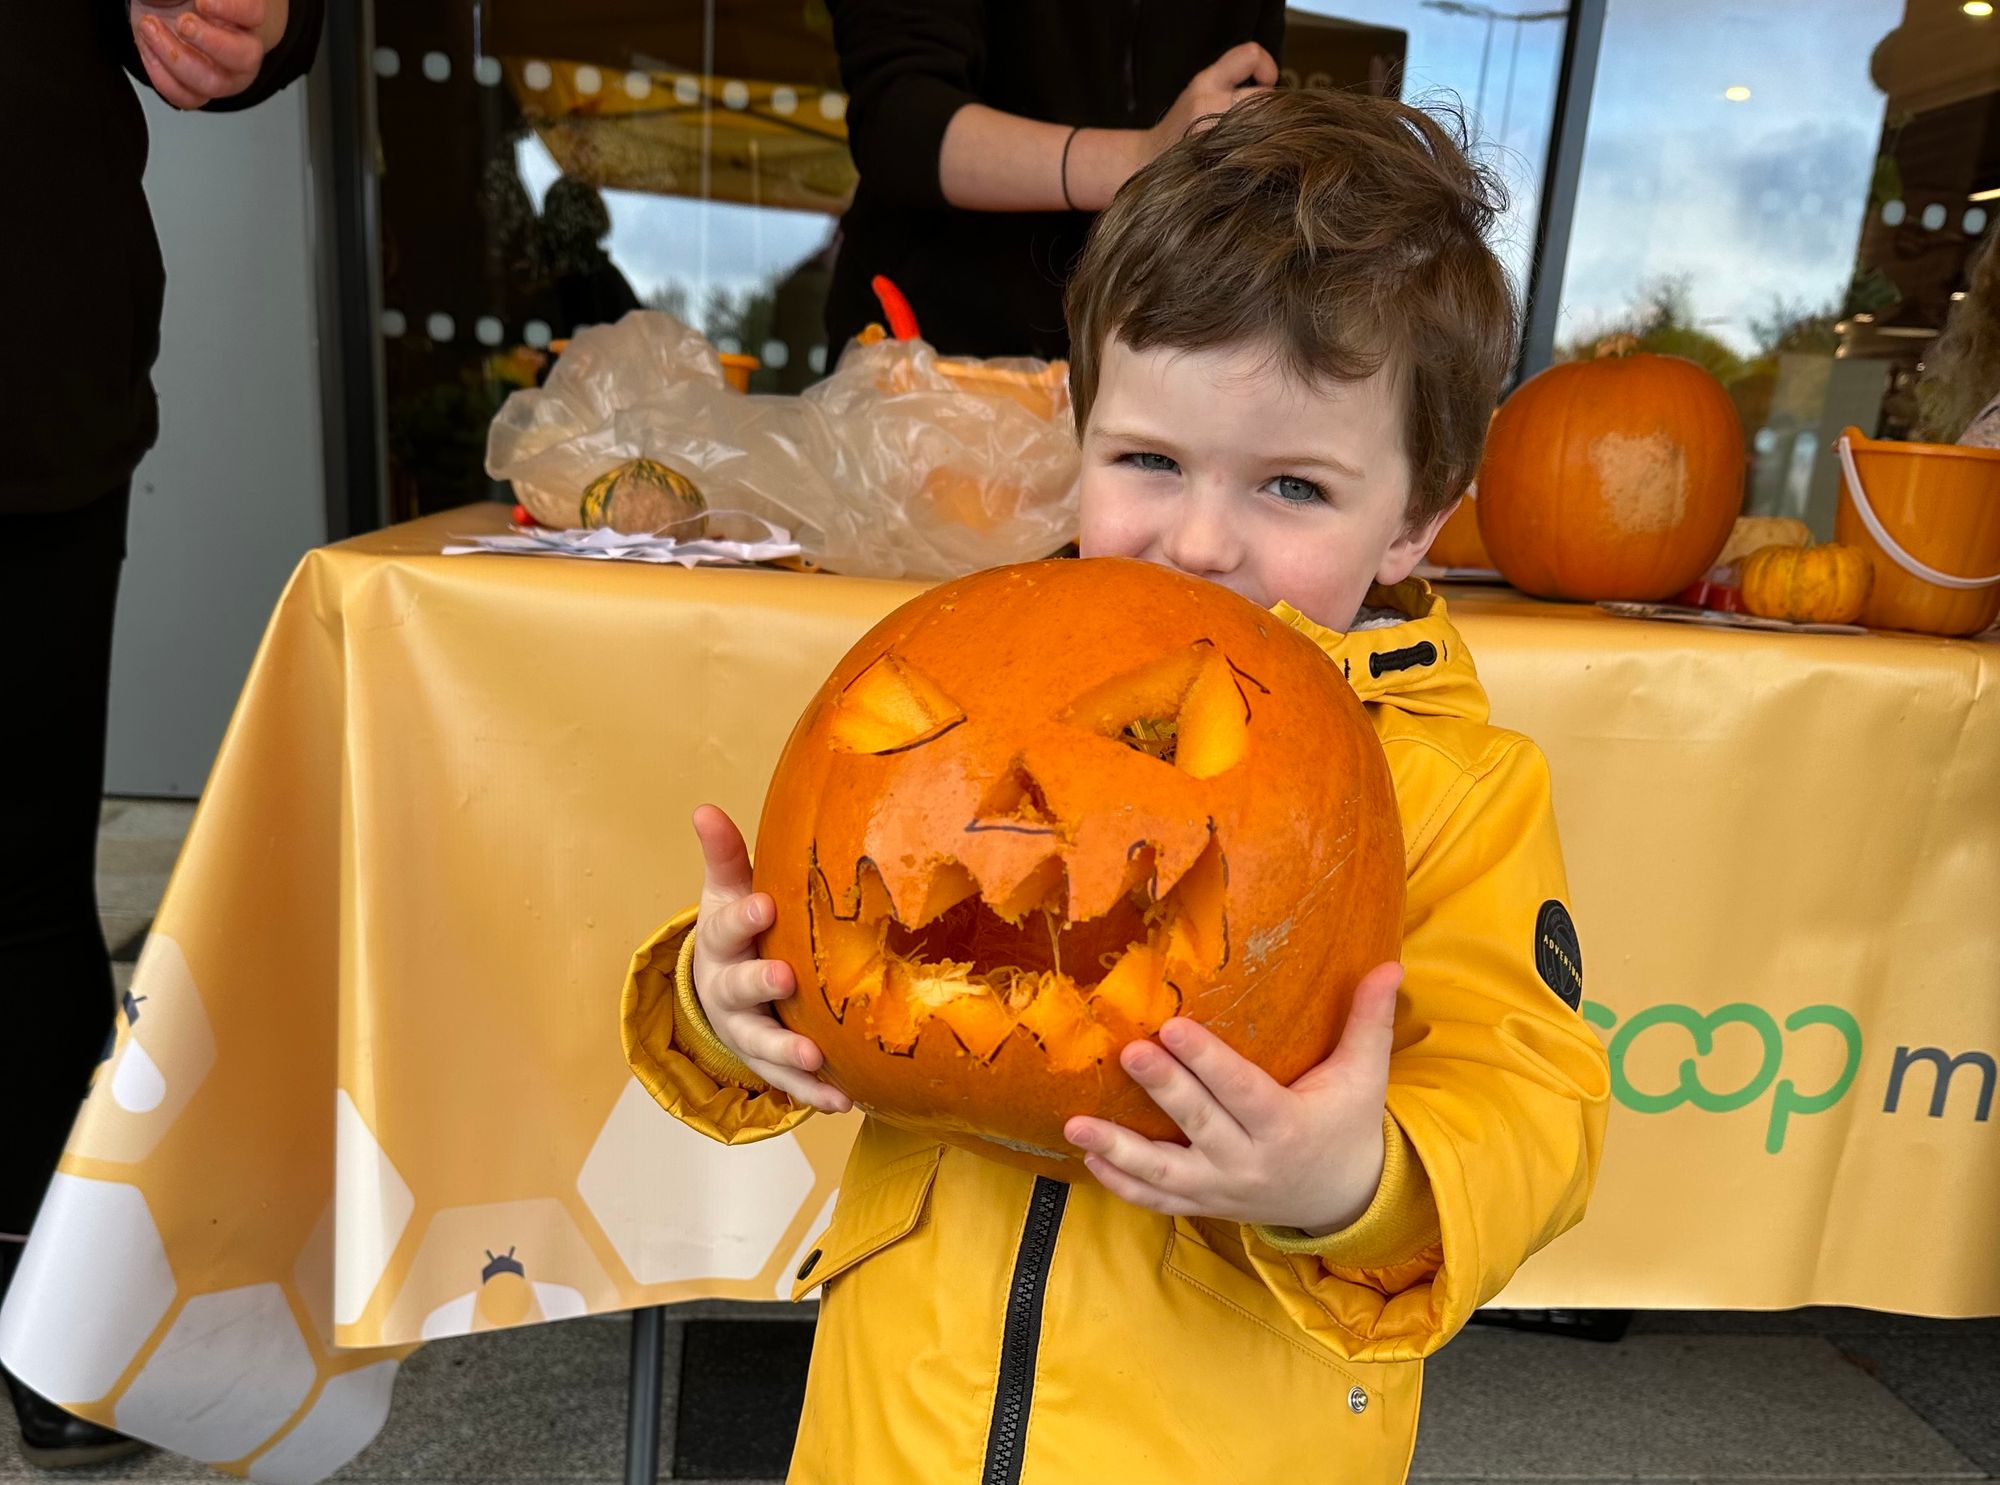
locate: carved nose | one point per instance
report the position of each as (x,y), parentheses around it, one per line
(1015,803)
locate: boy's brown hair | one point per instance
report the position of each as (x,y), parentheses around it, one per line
(1348,232)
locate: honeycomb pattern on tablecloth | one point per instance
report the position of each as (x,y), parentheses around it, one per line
(637,1176)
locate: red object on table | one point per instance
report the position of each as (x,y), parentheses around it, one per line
(1724,598)
(522,518)
(895,308)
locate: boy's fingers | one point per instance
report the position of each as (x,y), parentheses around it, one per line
(227,46)
(761,1038)
(750,983)
(1370,1034)
(803,1087)
(1127,1187)
(724,857)
(729,927)
(1172,1168)
(1182,1097)
(1247,1094)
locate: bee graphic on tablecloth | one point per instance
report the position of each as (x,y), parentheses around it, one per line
(505,1297)
(158,1053)
(128,1007)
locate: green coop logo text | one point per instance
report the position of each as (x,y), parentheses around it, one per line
(1826,1038)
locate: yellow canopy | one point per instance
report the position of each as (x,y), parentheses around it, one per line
(685,134)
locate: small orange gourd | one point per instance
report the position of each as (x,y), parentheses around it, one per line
(1807,585)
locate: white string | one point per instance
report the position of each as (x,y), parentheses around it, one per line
(1919,570)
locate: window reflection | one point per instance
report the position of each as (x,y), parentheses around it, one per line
(549,166)
(1498,62)
(1789,196)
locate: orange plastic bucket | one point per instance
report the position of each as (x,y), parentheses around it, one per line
(1928,515)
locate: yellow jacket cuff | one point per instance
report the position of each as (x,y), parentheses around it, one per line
(1401,1223)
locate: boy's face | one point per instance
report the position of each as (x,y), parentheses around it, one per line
(1223,464)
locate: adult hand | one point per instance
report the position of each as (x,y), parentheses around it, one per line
(209,51)
(1308,1156)
(734,986)
(1243,69)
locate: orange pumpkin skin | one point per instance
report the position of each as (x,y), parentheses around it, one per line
(1614,478)
(1038,811)
(1458,543)
(1807,585)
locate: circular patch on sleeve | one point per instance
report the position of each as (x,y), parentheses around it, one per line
(1558,955)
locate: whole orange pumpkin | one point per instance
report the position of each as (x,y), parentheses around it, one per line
(1807,585)
(1038,811)
(1618,477)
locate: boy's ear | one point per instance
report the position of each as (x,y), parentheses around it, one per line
(1407,550)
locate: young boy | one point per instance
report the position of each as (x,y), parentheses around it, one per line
(1288,333)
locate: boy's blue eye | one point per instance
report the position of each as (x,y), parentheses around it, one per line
(1296,489)
(1151,463)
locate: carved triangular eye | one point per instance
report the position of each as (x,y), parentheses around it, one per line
(891,707)
(1188,709)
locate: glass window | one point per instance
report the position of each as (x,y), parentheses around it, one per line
(548,166)
(1498,63)
(1789,195)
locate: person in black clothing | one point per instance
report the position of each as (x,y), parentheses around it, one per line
(589,288)
(988,135)
(81,286)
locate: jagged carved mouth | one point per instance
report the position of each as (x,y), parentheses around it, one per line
(990,972)
(988,942)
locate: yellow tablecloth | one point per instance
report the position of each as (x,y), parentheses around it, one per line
(367,1088)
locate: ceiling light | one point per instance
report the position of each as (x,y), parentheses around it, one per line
(1978,9)
(1988,195)
(1741,94)
(1957,294)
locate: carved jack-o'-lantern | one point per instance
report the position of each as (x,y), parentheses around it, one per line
(1038,811)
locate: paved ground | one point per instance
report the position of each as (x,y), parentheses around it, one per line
(1803,1396)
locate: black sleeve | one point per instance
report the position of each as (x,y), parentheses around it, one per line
(908,66)
(287,62)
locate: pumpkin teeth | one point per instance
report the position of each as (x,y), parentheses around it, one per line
(984,970)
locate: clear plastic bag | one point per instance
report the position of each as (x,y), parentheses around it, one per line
(901,463)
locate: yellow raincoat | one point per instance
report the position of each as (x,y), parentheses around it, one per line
(981,1326)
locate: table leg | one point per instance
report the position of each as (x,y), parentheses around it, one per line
(642,1420)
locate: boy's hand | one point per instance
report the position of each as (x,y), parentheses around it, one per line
(208,50)
(734,986)
(1307,1156)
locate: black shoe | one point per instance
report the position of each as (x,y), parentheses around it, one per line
(52,1439)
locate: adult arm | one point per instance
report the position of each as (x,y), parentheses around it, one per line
(921,137)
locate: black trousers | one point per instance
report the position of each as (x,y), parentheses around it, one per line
(58,591)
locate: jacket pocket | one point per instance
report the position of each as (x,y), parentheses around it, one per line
(1191,1258)
(889,1203)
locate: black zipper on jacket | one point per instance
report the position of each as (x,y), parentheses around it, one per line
(1021,1339)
